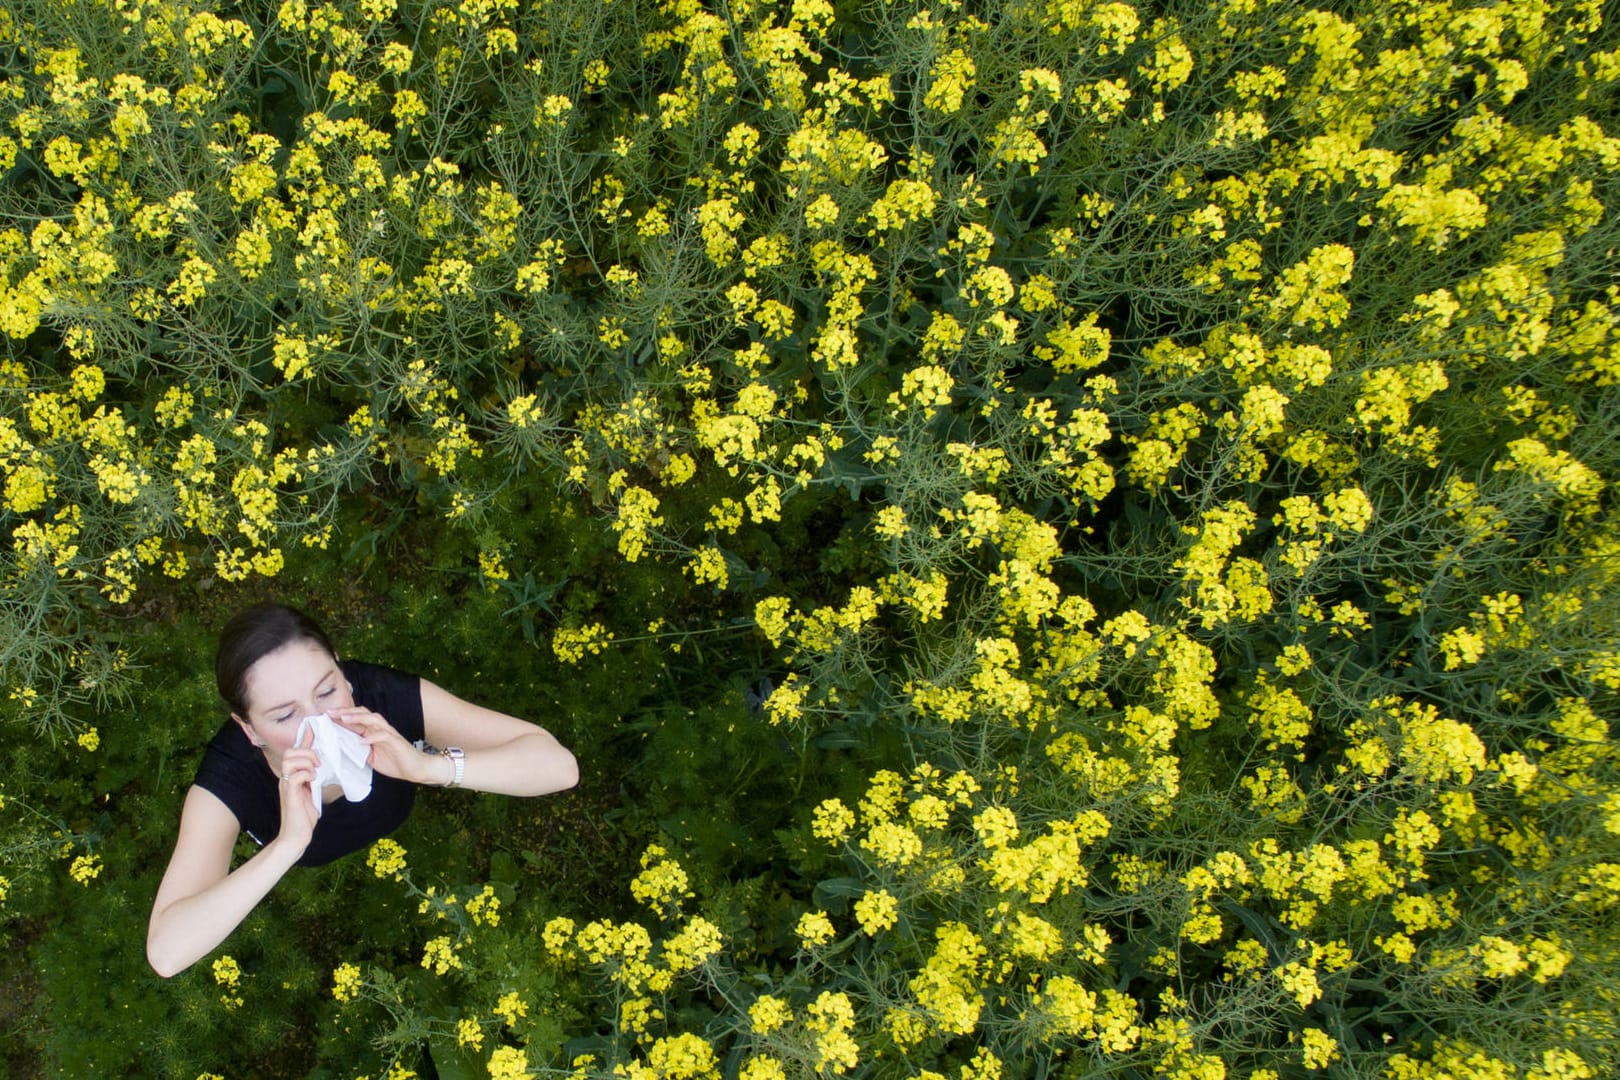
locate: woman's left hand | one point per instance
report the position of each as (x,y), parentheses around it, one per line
(391,755)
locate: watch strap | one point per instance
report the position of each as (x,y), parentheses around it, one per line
(457,759)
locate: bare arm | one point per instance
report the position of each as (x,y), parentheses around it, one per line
(201,899)
(503,754)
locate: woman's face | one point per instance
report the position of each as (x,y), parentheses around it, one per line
(282,687)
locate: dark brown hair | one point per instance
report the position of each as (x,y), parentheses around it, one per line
(254,633)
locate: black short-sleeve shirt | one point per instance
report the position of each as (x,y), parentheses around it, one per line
(237,772)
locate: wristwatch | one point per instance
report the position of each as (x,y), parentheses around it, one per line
(459,760)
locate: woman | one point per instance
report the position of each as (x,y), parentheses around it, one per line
(274,668)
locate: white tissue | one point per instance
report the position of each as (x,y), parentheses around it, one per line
(343,758)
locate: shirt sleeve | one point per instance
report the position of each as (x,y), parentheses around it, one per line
(234,772)
(395,695)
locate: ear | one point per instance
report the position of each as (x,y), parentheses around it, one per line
(247,730)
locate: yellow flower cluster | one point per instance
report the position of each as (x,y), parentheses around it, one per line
(814,930)
(346,982)
(386,858)
(876,911)
(638,514)
(691,947)
(228,976)
(509,1063)
(439,956)
(485,907)
(662,884)
(85,869)
(769,1013)
(509,1008)
(571,645)
(830,1018)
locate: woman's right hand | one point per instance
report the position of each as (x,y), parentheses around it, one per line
(298,816)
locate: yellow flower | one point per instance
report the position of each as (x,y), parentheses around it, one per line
(28,488)
(572,644)
(1035,938)
(662,883)
(291,355)
(997,826)
(821,213)
(346,984)
(768,1013)
(396,58)
(85,869)
(906,201)
(814,929)
(686,1056)
(485,908)
(654,223)
(228,975)
(947,986)
(408,109)
(720,221)
(890,523)
(191,283)
(876,911)
(552,109)
(929,812)
(832,821)
(88,382)
(558,936)
(1320,1049)
(832,1017)
(511,1006)
(386,858)
(1067,1007)
(492,568)
(786,702)
(893,844)
(949,81)
(508,1063)
(611,332)
(638,513)
(1308,293)
(742,143)
(773,616)
(762,1067)
(708,565)
(227,972)
(175,408)
(439,956)
(698,942)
